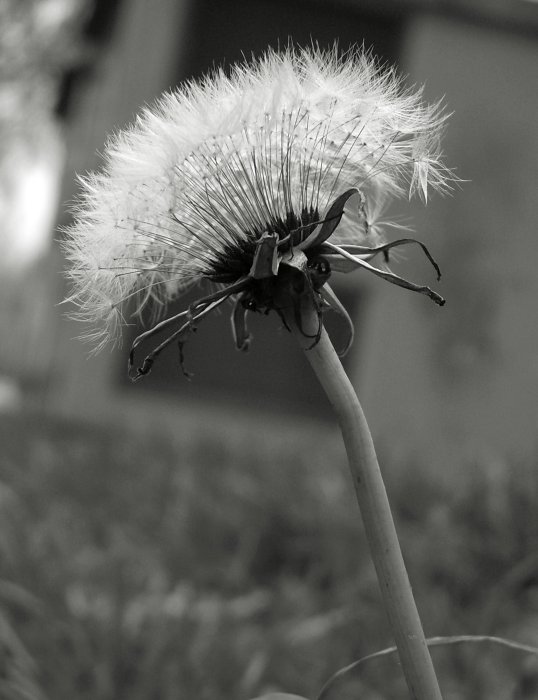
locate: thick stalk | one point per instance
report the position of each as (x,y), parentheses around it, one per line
(376,514)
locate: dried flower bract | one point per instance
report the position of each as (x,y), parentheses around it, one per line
(261,182)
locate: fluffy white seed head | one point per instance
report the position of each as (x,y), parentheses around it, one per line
(218,162)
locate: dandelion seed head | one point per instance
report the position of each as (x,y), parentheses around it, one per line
(189,188)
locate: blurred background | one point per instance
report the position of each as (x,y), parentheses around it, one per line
(200,539)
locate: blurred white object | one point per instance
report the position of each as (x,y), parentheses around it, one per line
(10,395)
(29,195)
(38,41)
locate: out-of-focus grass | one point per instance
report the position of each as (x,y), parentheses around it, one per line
(149,567)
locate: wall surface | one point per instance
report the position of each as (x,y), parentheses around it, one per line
(462,381)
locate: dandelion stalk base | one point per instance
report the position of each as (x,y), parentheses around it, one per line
(376,514)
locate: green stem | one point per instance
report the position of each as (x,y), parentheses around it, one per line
(376,514)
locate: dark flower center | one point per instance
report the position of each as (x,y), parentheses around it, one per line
(235,259)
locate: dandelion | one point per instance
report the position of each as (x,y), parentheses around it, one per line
(260,184)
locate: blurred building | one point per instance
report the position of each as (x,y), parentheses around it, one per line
(439,384)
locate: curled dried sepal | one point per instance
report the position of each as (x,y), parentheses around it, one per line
(336,305)
(359,261)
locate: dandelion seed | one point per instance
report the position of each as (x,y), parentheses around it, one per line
(260,184)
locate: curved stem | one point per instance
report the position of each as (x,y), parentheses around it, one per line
(431,642)
(376,514)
